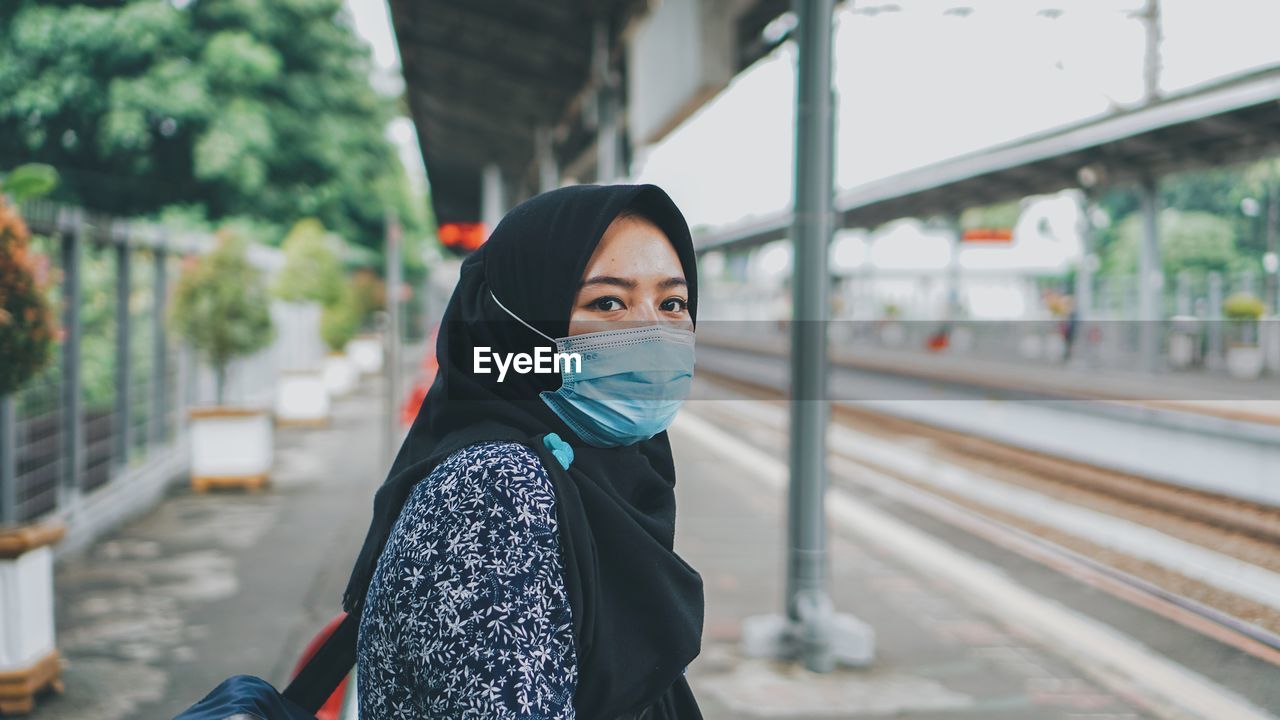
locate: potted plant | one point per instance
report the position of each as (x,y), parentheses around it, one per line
(338,324)
(310,280)
(365,349)
(28,650)
(220,308)
(1244,355)
(891,332)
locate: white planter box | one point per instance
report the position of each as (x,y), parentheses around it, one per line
(1182,350)
(340,374)
(366,352)
(1245,361)
(302,398)
(28,651)
(230,446)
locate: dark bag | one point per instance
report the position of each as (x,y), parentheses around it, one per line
(245,697)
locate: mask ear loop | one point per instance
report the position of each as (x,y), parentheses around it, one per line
(519,319)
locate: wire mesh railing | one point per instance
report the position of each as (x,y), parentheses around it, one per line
(102,405)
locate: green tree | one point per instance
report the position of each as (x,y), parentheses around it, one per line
(340,320)
(252,108)
(220,306)
(1194,241)
(312,271)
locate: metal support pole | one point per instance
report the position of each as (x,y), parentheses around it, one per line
(1151,58)
(72,425)
(1150,278)
(606,107)
(1273,229)
(1182,285)
(1082,305)
(548,173)
(492,193)
(123,428)
(392,341)
(1084,271)
(8,460)
(159,349)
(953,268)
(811,629)
(1214,355)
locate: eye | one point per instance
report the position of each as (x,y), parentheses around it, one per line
(674,304)
(608,303)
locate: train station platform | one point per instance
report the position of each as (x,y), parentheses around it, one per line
(964,627)
(209,586)
(1198,392)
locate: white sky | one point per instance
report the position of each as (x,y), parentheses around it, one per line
(372,22)
(917,86)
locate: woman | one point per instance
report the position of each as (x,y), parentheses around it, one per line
(520,560)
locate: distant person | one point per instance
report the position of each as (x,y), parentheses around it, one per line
(520,562)
(1070,328)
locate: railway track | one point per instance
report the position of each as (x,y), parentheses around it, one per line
(1248,532)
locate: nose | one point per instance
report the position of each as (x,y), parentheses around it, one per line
(644,314)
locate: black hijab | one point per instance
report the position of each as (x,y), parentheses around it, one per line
(637,606)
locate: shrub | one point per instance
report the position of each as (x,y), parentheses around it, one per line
(27,324)
(1243,306)
(220,306)
(312,271)
(370,293)
(340,320)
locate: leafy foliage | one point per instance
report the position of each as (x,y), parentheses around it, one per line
(312,271)
(1193,241)
(27,324)
(220,305)
(1243,306)
(340,320)
(250,108)
(370,294)
(29,181)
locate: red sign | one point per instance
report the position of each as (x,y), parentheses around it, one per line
(988,235)
(464,237)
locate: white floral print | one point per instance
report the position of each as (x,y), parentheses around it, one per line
(467,615)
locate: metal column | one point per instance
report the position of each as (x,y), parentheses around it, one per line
(8,460)
(954,306)
(1215,353)
(548,173)
(606,107)
(1082,303)
(1151,27)
(1150,278)
(392,342)
(159,346)
(72,404)
(811,629)
(122,427)
(492,196)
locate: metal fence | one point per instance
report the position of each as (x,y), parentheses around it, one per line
(1192,334)
(113,400)
(115,391)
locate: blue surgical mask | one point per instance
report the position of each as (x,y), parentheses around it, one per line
(630,385)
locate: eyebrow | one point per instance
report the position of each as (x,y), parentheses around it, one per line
(630,284)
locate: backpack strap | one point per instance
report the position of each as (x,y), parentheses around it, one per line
(327,668)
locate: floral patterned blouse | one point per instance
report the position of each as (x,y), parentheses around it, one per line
(466,615)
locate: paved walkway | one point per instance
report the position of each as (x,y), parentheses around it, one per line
(209,586)
(937,657)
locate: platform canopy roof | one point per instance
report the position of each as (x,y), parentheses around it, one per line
(1220,123)
(484,75)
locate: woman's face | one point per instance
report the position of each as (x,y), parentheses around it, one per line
(634,277)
